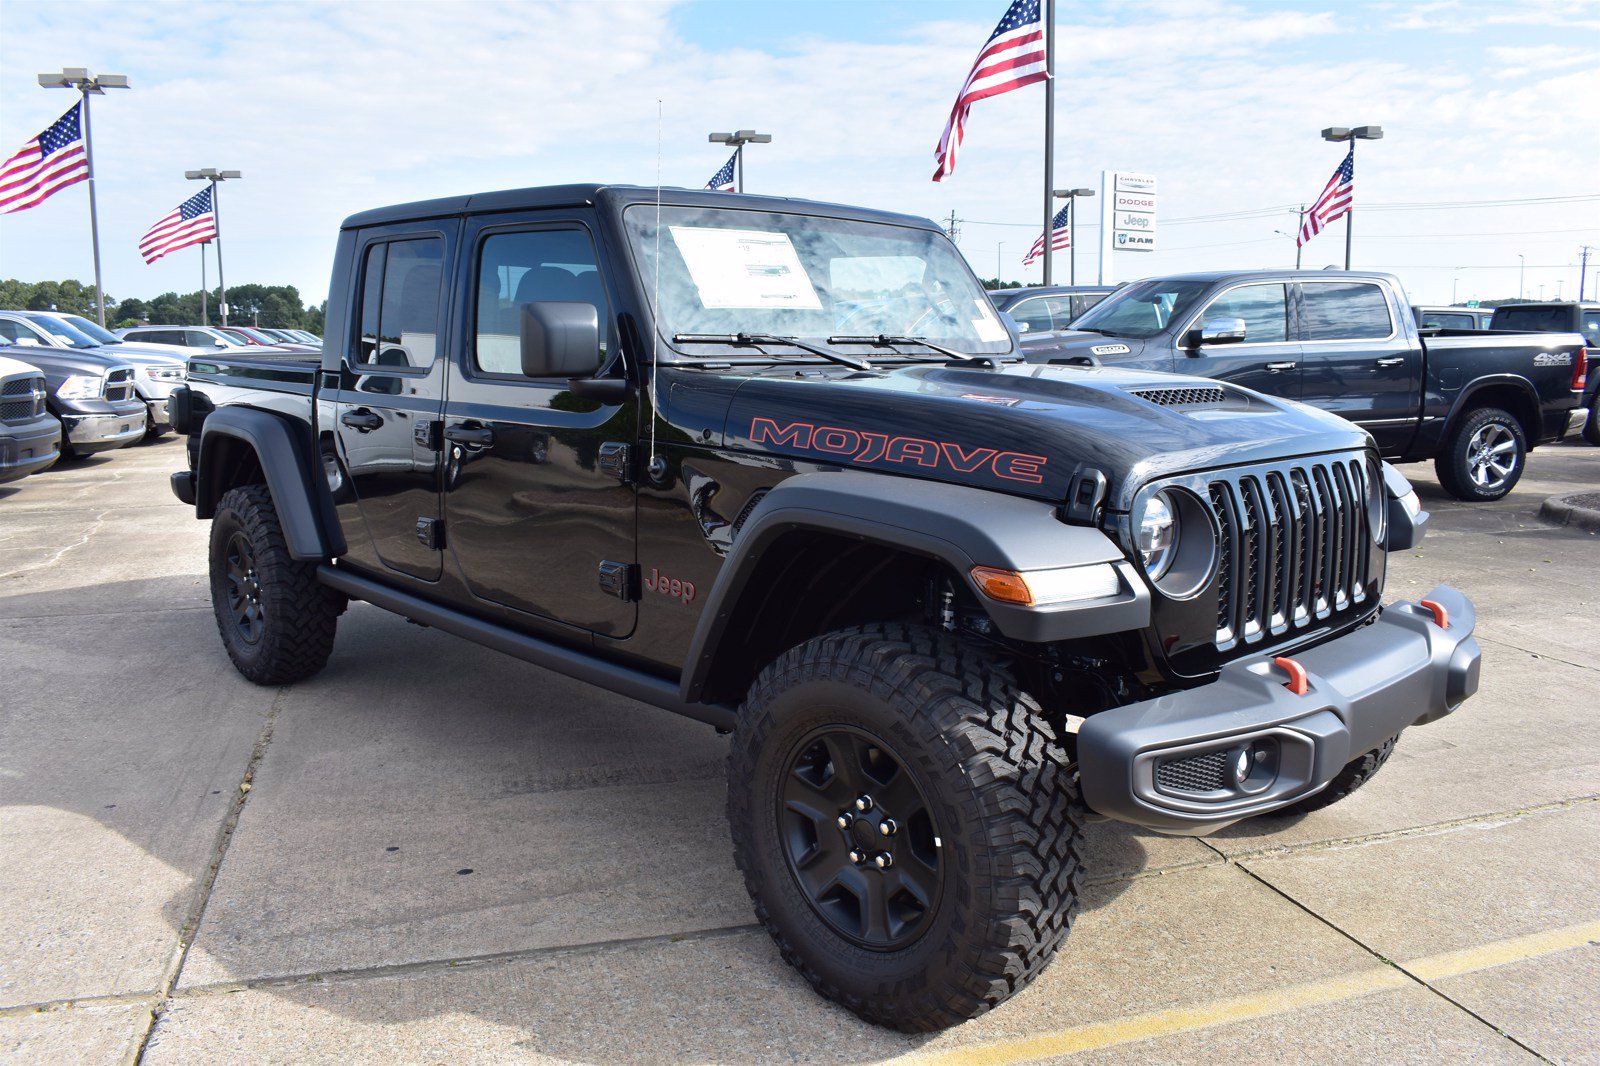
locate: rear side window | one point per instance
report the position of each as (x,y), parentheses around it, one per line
(1263,308)
(520,268)
(399,311)
(1346,311)
(1534,319)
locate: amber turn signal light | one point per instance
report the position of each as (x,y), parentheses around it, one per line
(1006,586)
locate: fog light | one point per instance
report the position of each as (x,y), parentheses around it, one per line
(1241,766)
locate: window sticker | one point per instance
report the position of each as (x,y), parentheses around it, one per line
(987,323)
(744,269)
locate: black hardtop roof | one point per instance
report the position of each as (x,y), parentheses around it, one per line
(617,196)
(1547,305)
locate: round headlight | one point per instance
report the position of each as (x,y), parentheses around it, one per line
(1158,536)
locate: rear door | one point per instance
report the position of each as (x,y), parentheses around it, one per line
(1359,361)
(390,398)
(1267,360)
(538,486)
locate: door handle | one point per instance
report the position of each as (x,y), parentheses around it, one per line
(1275,367)
(361,419)
(1392,360)
(479,435)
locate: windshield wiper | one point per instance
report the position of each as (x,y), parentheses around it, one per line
(752,340)
(885,340)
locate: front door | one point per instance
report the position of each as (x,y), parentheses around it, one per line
(1267,360)
(539,499)
(390,399)
(1358,362)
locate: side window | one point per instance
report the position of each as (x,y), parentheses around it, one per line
(199,340)
(399,312)
(1263,308)
(1033,314)
(1346,311)
(1445,320)
(1082,303)
(520,268)
(1591,328)
(10,330)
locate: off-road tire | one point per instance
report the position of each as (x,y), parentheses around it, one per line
(297,613)
(1356,773)
(1591,428)
(997,783)
(1454,463)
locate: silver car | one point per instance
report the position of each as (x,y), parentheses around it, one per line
(156,371)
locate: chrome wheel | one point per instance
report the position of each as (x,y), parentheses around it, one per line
(1492,456)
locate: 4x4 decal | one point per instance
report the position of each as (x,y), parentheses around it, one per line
(864,447)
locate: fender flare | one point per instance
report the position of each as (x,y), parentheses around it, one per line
(957,525)
(298,489)
(1464,401)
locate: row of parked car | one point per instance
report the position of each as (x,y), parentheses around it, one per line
(69,387)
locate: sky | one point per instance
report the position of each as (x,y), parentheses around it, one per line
(328,109)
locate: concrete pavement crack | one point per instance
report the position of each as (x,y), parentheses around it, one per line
(219,852)
(1535,654)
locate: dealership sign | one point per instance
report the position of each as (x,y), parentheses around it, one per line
(1127,217)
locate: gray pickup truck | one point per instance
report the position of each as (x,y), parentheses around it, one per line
(1347,342)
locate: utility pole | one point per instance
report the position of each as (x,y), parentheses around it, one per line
(1522,272)
(952,227)
(997,261)
(1583,269)
(88,84)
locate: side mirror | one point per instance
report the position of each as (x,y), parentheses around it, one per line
(1017,328)
(560,339)
(1222,331)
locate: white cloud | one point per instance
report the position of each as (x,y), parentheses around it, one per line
(331,109)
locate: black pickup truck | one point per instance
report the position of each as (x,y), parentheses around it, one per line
(1347,342)
(946,602)
(1559,317)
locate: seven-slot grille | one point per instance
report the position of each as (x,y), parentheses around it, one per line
(21,398)
(1295,547)
(119,383)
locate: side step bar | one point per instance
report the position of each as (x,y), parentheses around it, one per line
(623,680)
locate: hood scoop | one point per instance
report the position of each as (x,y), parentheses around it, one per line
(1183,395)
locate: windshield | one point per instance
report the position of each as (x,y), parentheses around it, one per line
(93,330)
(1142,310)
(73,338)
(725,272)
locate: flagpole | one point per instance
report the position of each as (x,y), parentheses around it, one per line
(222,286)
(1049,129)
(205,319)
(1350,212)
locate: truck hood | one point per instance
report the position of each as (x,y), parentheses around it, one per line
(1022,429)
(1065,344)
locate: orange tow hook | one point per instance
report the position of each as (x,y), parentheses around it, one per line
(1441,617)
(1297,682)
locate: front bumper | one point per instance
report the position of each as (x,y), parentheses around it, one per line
(29,448)
(157,407)
(1195,761)
(90,433)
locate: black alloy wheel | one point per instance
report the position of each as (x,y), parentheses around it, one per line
(860,838)
(244,589)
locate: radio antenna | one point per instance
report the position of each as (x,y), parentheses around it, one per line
(655,306)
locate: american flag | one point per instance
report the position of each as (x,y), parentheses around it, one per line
(1061,236)
(192,222)
(1335,200)
(1013,56)
(722,180)
(45,165)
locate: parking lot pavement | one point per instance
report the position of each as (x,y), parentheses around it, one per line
(444,854)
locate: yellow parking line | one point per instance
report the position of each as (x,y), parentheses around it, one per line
(1243,1008)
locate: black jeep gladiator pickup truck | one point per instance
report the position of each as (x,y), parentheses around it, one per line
(948,604)
(1347,342)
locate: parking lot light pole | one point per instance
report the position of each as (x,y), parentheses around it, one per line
(89,84)
(738,140)
(1351,134)
(1071,197)
(215,176)
(1522,272)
